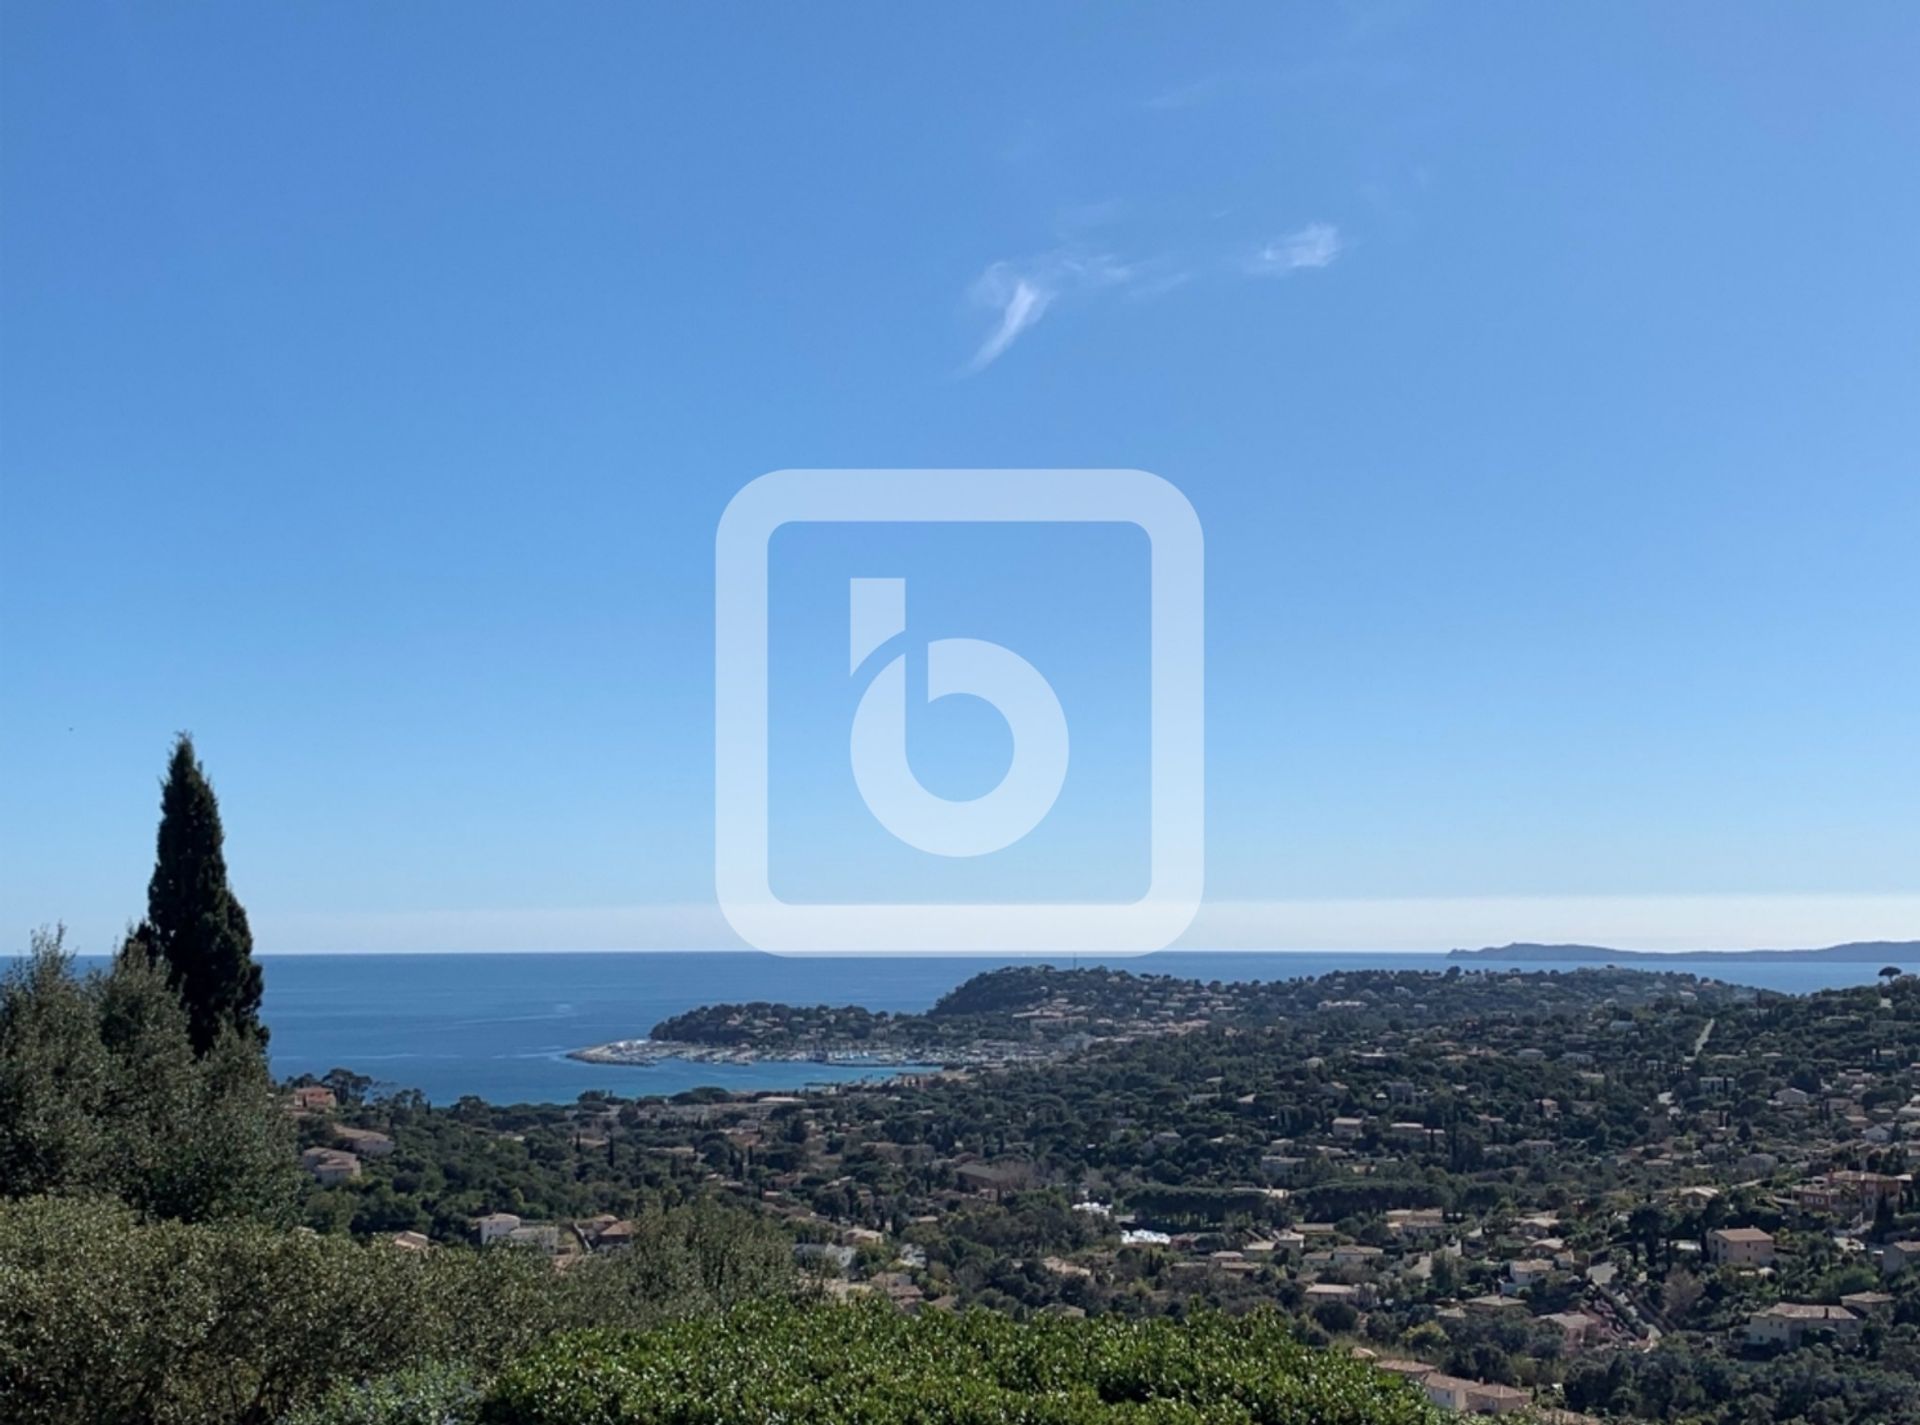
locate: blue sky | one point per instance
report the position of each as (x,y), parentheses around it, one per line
(373,379)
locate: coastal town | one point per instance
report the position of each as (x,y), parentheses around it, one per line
(1567,1192)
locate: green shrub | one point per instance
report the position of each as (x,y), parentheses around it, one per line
(428,1395)
(106,1318)
(871,1365)
(101,1091)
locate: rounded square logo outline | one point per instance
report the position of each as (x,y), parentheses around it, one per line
(1176,698)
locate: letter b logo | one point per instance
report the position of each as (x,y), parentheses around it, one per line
(988,671)
(978,503)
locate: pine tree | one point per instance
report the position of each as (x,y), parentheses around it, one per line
(194,925)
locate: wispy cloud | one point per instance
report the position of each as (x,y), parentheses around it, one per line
(1188,96)
(1021,301)
(1020,292)
(1315,245)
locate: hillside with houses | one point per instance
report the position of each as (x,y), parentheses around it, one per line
(1600,1192)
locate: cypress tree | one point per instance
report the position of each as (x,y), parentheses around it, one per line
(193,923)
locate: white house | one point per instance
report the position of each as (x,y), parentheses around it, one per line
(1785,1323)
(1527,1272)
(494,1226)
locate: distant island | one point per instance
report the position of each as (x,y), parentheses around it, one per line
(1886,952)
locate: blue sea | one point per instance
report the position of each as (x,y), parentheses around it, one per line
(499,1025)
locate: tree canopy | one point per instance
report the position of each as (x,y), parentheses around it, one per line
(194,923)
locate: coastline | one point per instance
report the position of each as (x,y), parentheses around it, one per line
(509,1028)
(900,1060)
(643,1053)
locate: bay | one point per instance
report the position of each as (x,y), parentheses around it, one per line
(499,1025)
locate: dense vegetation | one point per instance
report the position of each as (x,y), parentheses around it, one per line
(147,1269)
(1039,1007)
(1624,1116)
(108,1317)
(875,1366)
(101,1091)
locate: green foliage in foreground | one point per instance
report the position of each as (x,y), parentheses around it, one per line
(871,1365)
(427,1395)
(101,1091)
(107,1319)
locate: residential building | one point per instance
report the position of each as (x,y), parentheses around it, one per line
(1527,1272)
(1415,1371)
(329,1166)
(1447,1392)
(1473,1397)
(1896,1257)
(1577,1328)
(1740,1247)
(1848,1192)
(613,1236)
(1786,1323)
(364,1141)
(1489,1399)
(494,1227)
(541,1236)
(1331,1291)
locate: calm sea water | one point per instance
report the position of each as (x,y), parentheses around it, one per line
(499,1026)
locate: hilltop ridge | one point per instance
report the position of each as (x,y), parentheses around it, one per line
(1898,952)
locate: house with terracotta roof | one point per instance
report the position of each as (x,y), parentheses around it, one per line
(365,1141)
(1473,1397)
(1740,1247)
(1415,1371)
(330,1166)
(312,1098)
(1576,1327)
(1786,1323)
